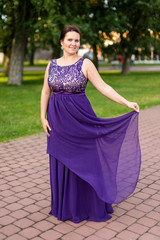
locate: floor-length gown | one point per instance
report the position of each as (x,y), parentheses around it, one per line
(94,162)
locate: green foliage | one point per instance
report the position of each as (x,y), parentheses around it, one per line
(134,20)
(6,24)
(54,16)
(42,22)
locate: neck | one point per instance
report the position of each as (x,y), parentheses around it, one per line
(69,58)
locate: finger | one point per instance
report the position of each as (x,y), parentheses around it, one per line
(48,126)
(46,131)
(48,134)
(136,108)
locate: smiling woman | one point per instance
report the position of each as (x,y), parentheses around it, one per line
(70,42)
(94,162)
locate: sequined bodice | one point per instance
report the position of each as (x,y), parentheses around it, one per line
(67,78)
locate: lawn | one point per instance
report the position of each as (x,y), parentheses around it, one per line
(20,105)
(37,63)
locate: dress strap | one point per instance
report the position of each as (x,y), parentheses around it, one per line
(80,60)
(53,62)
(79,63)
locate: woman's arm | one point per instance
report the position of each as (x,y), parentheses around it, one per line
(45,95)
(106,90)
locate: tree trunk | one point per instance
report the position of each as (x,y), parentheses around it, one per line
(19,42)
(56,51)
(95,58)
(31,58)
(126,65)
(6,59)
(32,49)
(17,59)
(6,64)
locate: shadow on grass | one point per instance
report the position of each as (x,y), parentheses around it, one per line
(29,78)
(33,78)
(37,78)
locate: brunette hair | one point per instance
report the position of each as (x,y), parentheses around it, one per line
(69,28)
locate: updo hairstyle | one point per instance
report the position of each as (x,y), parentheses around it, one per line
(69,28)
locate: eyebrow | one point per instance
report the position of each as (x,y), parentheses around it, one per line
(72,39)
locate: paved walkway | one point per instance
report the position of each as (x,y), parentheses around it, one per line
(25,193)
(133,68)
(108,68)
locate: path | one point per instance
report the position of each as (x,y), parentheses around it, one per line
(25,193)
(134,68)
(108,68)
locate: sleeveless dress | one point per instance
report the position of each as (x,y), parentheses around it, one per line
(94,162)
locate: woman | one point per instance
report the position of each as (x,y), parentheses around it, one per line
(94,162)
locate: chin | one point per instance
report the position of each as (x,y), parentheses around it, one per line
(73,52)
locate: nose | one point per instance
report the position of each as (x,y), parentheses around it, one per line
(73,44)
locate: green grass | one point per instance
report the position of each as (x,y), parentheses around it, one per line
(37,63)
(20,105)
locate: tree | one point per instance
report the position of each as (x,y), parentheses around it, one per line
(93,19)
(134,22)
(60,13)
(98,20)
(17,18)
(6,31)
(26,13)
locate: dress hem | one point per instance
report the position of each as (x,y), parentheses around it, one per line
(82,219)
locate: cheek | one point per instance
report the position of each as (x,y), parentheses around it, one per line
(67,43)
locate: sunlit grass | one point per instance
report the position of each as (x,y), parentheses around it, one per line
(20,105)
(37,63)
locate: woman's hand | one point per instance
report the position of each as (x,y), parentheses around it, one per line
(46,126)
(133,105)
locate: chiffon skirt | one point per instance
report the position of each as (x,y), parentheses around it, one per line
(94,162)
(74,199)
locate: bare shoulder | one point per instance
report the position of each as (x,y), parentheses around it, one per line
(88,62)
(89,65)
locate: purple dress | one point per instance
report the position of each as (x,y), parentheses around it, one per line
(94,162)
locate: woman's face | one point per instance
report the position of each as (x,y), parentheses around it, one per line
(71,42)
